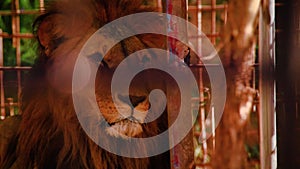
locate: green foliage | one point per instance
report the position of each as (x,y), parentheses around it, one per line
(29,4)
(5,4)
(252,151)
(28,47)
(28,50)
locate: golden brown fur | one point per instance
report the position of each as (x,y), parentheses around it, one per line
(50,135)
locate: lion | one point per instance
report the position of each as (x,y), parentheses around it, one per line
(49,134)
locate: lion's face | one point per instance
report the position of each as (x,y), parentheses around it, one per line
(127,118)
(62,43)
(50,132)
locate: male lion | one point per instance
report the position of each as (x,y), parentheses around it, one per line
(49,134)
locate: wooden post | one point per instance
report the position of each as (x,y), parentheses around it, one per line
(267,114)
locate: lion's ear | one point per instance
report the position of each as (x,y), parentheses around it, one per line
(44,34)
(49,29)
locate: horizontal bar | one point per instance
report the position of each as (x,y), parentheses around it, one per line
(17,35)
(20,12)
(207,7)
(7,104)
(14,68)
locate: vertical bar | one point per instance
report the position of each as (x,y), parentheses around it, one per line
(213,21)
(16,40)
(199,24)
(18,48)
(267,114)
(2,101)
(10,102)
(42,5)
(200,82)
(159,5)
(202,116)
(213,126)
(225,13)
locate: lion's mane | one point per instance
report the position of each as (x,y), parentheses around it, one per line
(50,135)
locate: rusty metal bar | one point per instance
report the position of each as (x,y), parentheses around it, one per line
(213,21)
(10,104)
(14,68)
(17,40)
(202,116)
(213,126)
(207,7)
(213,8)
(225,13)
(19,12)
(199,8)
(199,25)
(159,5)
(42,5)
(17,35)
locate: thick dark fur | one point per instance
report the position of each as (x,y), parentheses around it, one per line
(50,135)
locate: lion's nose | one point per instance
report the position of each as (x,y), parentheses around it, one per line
(139,107)
(133,100)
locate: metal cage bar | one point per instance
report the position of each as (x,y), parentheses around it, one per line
(7,105)
(208,146)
